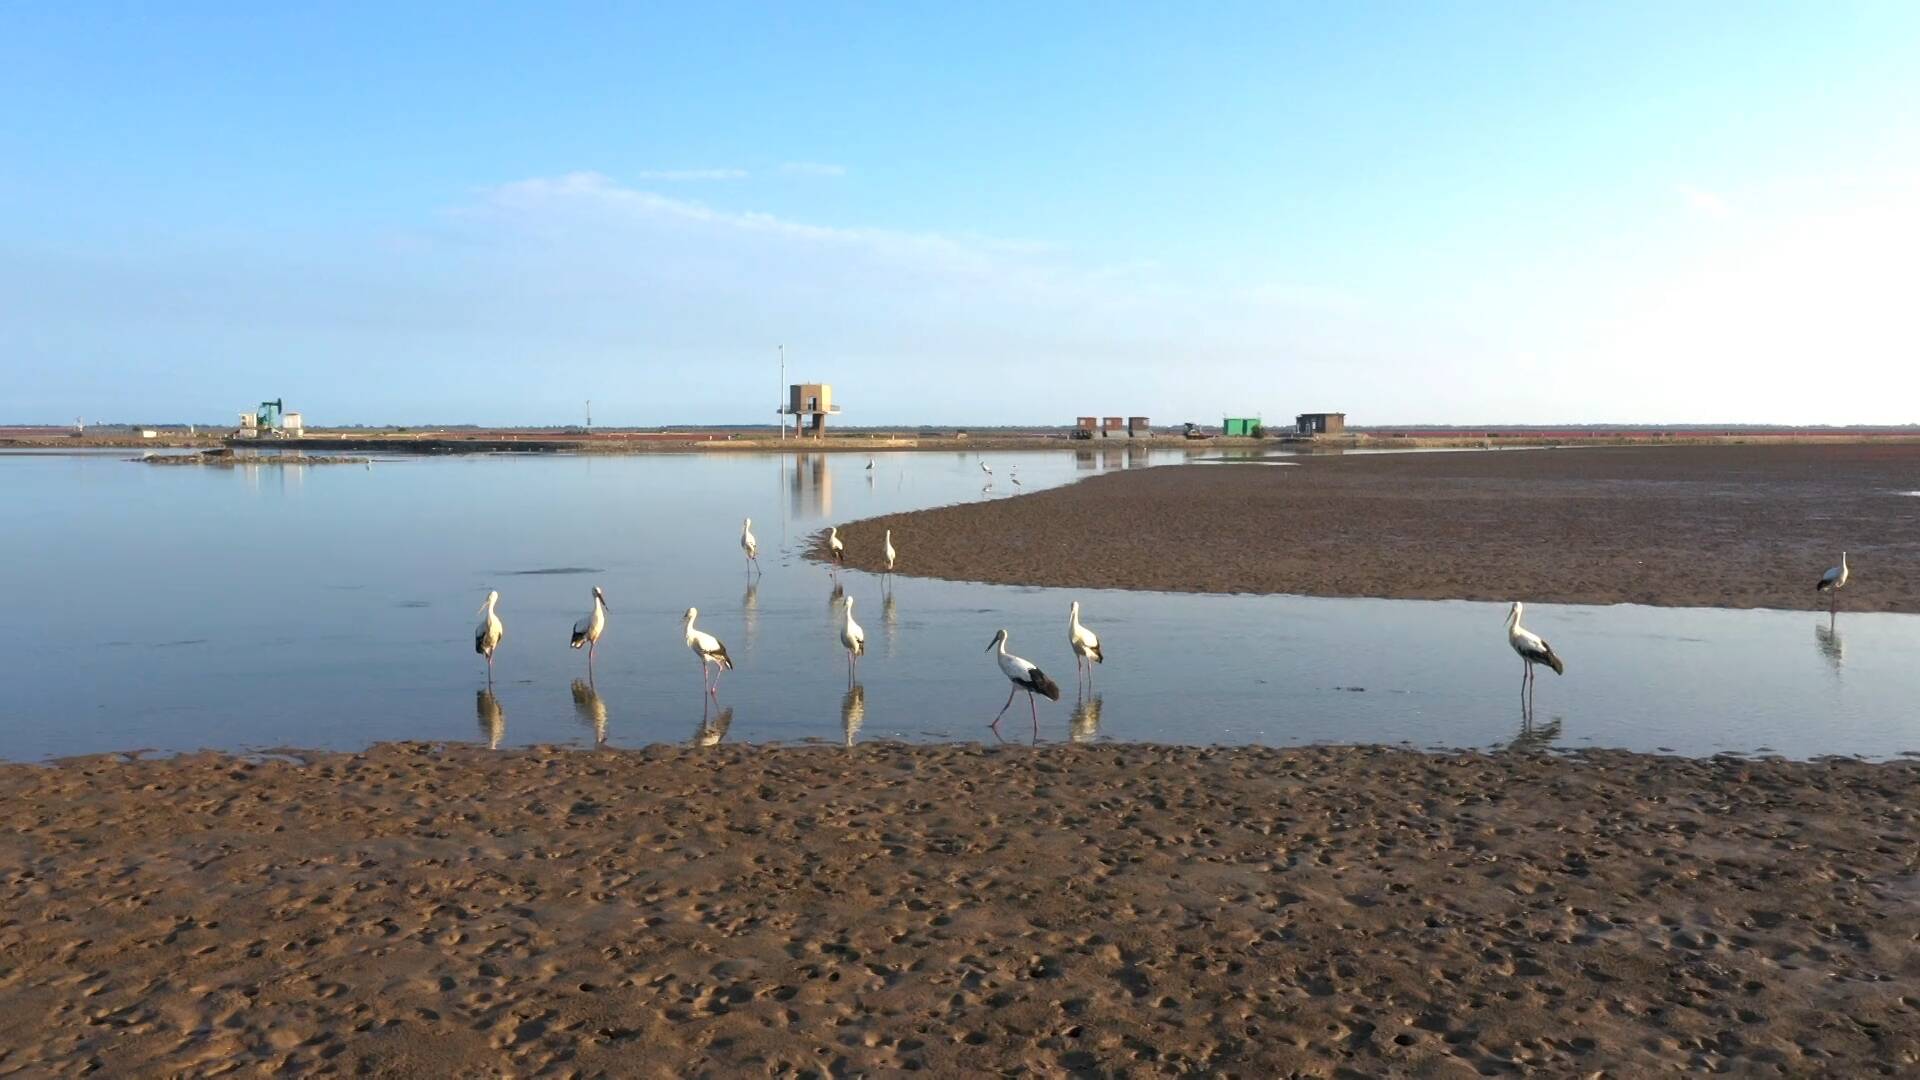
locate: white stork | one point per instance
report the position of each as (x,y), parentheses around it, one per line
(886,548)
(869,462)
(988,469)
(835,547)
(486,636)
(709,650)
(1024,675)
(587,630)
(749,545)
(1085,643)
(852,638)
(1013,474)
(1532,651)
(1832,582)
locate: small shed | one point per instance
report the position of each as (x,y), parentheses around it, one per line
(1320,423)
(1239,427)
(1113,427)
(1138,428)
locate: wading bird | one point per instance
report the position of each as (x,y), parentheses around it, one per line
(834,546)
(1013,474)
(709,650)
(886,548)
(988,469)
(1533,651)
(587,630)
(869,463)
(1832,582)
(852,638)
(486,636)
(1085,643)
(1024,676)
(749,545)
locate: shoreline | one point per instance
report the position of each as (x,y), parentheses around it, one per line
(668,442)
(446,909)
(1736,526)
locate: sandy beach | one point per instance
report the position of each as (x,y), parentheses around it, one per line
(1115,910)
(1722,526)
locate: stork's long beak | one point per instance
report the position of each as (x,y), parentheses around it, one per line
(991,644)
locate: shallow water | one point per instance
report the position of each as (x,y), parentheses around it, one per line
(333,606)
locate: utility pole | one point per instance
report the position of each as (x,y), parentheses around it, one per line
(783,391)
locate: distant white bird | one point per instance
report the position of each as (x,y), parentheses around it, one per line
(587,630)
(1833,581)
(1013,474)
(886,548)
(709,650)
(486,636)
(834,547)
(869,463)
(852,637)
(1532,651)
(1085,643)
(985,468)
(1024,675)
(748,544)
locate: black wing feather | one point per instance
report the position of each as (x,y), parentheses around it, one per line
(1045,687)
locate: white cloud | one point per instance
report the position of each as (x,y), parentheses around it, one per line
(1704,202)
(681,175)
(812,168)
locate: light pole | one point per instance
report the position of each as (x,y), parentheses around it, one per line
(783,389)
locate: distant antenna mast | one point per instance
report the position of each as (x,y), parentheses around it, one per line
(589,414)
(782,410)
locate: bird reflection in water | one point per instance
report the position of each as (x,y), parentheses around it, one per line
(713,727)
(492,718)
(592,710)
(1832,646)
(750,611)
(853,713)
(1534,738)
(1084,725)
(889,621)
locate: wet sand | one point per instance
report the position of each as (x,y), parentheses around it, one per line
(1136,910)
(1721,526)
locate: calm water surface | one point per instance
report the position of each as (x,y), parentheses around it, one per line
(333,606)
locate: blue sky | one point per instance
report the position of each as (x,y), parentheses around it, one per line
(996,213)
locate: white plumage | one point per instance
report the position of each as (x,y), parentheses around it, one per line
(1833,581)
(587,630)
(748,544)
(486,636)
(1533,650)
(1025,675)
(852,637)
(835,547)
(985,468)
(886,548)
(709,650)
(1084,642)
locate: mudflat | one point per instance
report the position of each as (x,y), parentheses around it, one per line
(1721,526)
(426,910)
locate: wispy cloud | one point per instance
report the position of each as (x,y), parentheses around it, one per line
(812,168)
(684,175)
(1704,201)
